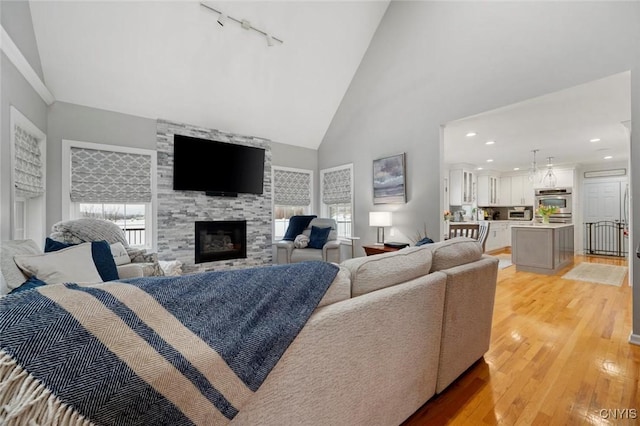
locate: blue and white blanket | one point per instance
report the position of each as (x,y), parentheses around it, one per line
(151,351)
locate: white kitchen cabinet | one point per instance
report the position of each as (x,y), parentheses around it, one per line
(462,187)
(564,178)
(504,191)
(499,234)
(488,190)
(521,191)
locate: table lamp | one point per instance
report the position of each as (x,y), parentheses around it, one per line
(380,219)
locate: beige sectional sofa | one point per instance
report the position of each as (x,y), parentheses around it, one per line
(392,331)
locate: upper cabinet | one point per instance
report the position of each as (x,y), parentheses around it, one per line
(462,186)
(489,189)
(515,191)
(564,179)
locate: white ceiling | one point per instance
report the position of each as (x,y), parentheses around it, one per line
(172,60)
(559,124)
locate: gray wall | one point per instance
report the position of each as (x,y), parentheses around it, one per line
(79,123)
(16,91)
(433,62)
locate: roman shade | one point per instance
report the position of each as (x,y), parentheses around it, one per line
(99,176)
(336,186)
(291,188)
(28,176)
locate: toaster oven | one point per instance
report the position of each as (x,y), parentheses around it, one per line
(519,214)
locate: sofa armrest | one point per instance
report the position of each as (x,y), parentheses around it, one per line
(331,251)
(283,251)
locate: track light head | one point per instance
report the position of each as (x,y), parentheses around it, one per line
(222,19)
(269,40)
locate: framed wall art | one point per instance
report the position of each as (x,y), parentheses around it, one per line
(389,180)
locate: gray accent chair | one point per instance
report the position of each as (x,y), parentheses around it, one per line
(330,252)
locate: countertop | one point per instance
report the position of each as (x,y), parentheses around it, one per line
(542,225)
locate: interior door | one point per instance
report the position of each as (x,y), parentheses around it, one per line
(603,209)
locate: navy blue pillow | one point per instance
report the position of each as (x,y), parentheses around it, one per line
(318,237)
(31,283)
(53,245)
(101,253)
(297,224)
(425,240)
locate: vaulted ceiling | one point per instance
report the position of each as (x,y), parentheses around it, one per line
(172,60)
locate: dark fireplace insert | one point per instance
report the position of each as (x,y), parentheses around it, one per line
(220,240)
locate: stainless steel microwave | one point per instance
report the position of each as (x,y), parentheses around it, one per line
(519,214)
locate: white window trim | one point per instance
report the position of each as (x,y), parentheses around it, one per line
(324,210)
(67,208)
(273,202)
(16,117)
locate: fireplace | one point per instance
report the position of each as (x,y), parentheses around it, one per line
(220,240)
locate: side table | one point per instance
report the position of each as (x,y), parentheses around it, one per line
(378,249)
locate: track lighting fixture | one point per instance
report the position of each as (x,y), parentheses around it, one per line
(243,23)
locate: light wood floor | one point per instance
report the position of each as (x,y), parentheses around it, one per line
(559,355)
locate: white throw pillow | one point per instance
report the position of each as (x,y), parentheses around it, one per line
(70,265)
(301,241)
(120,255)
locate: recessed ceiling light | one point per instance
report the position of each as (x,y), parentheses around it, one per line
(608,157)
(470,134)
(479,168)
(516,168)
(490,160)
(489,142)
(594,140)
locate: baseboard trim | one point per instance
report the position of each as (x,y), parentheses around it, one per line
(17,58)
(634,339)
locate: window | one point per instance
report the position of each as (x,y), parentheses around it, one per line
(337,197)
(292,195)
(28,178)
(112,183)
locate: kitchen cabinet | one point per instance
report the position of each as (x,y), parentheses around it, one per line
(504,191)
(488,190)
(542,249)
(462,187)
(515,191)
(499,235)
(564,178)
(521,191)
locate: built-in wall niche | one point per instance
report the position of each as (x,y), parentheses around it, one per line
(28,150)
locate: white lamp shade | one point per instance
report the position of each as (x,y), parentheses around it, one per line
(379,218)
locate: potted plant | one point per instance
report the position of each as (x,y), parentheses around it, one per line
(546,211)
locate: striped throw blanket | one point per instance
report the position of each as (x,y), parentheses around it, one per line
(151,351)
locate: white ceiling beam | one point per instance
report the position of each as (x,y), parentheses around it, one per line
(17,58)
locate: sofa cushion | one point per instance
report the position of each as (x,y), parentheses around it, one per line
(340,288)
(454,252)
(86,262)
(372,273)
(13,276)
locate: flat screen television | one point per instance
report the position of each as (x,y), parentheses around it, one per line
(218,168)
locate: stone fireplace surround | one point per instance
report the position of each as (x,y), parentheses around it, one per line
(178,211)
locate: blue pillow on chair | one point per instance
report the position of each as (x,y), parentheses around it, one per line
(297,224)
(318,237)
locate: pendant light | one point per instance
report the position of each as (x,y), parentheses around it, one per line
(533,171)
(549,180)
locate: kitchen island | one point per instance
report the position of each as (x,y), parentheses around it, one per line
(541,248)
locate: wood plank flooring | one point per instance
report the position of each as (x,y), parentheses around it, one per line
(559,355)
